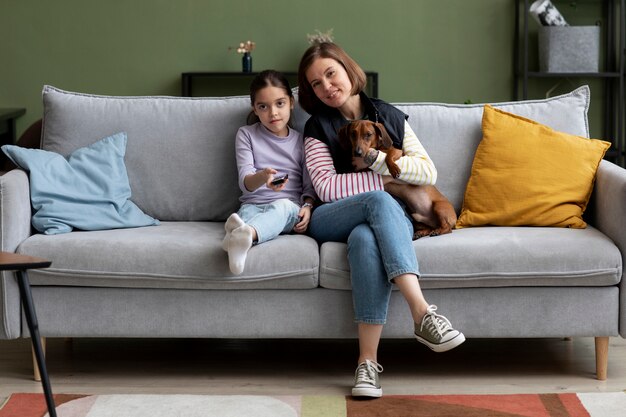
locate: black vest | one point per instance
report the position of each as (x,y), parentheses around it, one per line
(324,126)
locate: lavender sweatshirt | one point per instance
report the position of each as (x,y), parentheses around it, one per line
(257,148)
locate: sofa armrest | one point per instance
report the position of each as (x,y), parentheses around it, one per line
(609,203)
(15,210)
(15,214)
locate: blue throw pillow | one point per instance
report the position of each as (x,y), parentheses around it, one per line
(89,190)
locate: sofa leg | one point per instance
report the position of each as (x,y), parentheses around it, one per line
(36,374)
(602,357)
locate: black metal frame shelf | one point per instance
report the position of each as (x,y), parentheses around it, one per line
(187,79)
(614,45)
(7,124)
(539,74)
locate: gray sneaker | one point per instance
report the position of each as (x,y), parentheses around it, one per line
(436,332)
(366,380)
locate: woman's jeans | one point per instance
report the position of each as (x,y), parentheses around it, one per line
(380,248)
(271,219)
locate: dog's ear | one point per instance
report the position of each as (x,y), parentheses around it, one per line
(343,135)
(385,140)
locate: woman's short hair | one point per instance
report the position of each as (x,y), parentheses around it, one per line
(306,96)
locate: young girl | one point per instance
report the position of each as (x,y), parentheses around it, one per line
(277,192)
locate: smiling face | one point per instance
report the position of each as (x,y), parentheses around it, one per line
(330,82)
(273,107)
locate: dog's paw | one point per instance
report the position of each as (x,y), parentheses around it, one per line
(421,233)
(441,231)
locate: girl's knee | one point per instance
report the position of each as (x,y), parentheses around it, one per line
(283,205)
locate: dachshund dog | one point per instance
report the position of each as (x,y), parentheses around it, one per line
(430,210)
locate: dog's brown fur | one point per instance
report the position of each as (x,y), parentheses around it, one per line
(431,211)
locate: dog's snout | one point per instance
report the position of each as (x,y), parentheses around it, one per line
(358,152)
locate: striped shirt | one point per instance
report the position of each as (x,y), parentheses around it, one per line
(415,165)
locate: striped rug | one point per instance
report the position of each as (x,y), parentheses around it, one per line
(605,404)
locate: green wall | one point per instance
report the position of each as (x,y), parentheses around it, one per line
(424,50)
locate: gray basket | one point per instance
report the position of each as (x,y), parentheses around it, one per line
(569,48)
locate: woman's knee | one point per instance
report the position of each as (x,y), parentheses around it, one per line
(362,235)
(363,248)
(382,200)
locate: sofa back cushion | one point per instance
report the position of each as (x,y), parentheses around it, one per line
(180,155)
(451,133)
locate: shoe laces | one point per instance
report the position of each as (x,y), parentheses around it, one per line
(367,371)
(437,322)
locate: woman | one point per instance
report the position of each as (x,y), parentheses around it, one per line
(358,210)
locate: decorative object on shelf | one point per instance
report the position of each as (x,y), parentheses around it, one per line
(546,14)
(569,49)
(245,48)
(320,37)
(564,48)
(246,62)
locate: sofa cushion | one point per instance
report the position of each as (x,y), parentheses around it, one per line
(526,174)
(451,132)
(181,151)
(172,255)
(500,257)
(89,190)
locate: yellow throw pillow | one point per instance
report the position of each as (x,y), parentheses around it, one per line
(527,174)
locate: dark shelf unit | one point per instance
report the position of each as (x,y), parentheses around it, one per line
(614,47)
(7,124)
(188,79)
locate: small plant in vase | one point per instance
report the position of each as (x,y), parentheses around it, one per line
(320,37)
(245,48)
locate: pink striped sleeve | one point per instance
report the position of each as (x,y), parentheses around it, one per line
(328,184)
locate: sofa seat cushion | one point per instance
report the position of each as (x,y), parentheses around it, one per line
(500,257)
(172,255)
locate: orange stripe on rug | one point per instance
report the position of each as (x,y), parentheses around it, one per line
(27,405)
(520,405)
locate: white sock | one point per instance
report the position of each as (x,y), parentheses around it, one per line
(239,243)
(233,222)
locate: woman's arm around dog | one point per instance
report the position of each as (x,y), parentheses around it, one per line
(415,165)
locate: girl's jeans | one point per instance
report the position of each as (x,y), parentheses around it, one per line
(271,219)
(380,248)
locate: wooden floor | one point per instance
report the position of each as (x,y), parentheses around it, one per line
(297,367)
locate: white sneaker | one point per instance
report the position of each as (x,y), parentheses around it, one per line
(366,380)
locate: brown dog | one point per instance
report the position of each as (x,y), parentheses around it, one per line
(431,211)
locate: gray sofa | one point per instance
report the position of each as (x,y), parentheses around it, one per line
(173,280)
